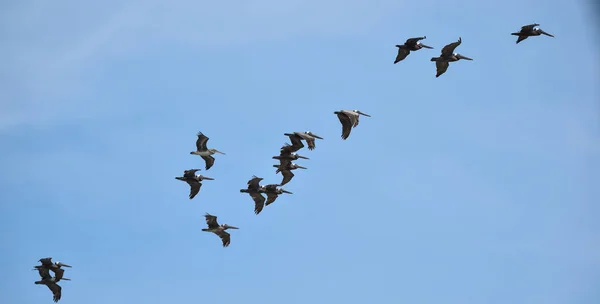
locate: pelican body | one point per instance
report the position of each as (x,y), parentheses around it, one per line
(443,62)
(411,44)
(214,227)
(529,31)
(204,152)
(297,137)
(286,167)
(349,120)
(287,154)
(48,280)
(190,177)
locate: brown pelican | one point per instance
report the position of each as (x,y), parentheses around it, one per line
(273,192)
(54,267)
(254,190)
(286,154)
(286,167)
(55,288)
(349,120)
(297,138)
(528,31)
(214,227)
(443,62)
(204,152)
(193,180)
(411,44)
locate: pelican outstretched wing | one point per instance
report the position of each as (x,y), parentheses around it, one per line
(211,221)
(56,291)
(259,202)
(253,184)
(44,272)
(190,173)
(287,176)
(346,124)
(296,142)
(210,161)
(441,67)
(528,28)
(194,187)
(225,237)
(448,50)
(201,142)
(402,53)
(47,262)
(271,197)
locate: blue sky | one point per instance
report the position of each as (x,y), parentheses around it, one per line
(480,186)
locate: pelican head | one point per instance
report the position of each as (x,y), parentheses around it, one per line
(225,226)
(216,151)
(423,45)
(459,56)
(361,113)
(313,135)
(59,264)
(202,177)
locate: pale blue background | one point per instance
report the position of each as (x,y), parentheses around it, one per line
(480,186)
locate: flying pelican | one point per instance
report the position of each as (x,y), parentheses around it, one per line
(254,190)
(214,227)
(56,267)
(528,31)
(193,180)
(286,154)
(443,62)
(55,288)
(297,137)
(411,44)
(204,152)
(286,167)
(349,120)
(273,192)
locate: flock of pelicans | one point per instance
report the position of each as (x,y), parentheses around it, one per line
(447,55)
(348,118)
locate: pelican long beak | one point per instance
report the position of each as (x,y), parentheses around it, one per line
(459,56)
(316,136)
(285,191)
(207,178)
(288,134)
(300,167)
(180,178)
(547,34)
(365,114)
(65,265)
(66,279)
(303,157)
(426,46)
(232,227)
(217,151)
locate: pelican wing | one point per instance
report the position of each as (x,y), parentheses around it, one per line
(284,163)
(311,142)
(58,273)
(210,161)
(286,150)
(190,173)
(259,201)
(402,53)
(521,38)
(448,50)
(441,67)
(194,187)
(271,197)
(411,42)
(201,142)
(225,237)
(46,262)
(211,221)
(44,272)
(346,124)
(287,176)
(56,291)
(296,142)
(528,28)
(253,184)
